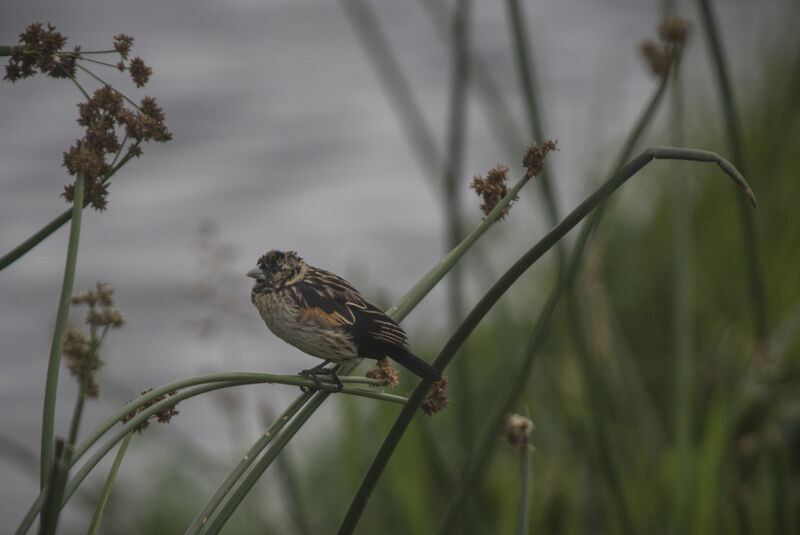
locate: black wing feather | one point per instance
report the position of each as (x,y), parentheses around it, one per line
(374,333)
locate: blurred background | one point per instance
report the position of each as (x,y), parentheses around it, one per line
(676,410)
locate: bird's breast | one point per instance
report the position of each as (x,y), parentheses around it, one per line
(303,329)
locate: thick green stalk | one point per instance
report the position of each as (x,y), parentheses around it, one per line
(499,288)
(112,476)
(51,386)
(55,491)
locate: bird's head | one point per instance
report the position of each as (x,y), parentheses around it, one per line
(276,270)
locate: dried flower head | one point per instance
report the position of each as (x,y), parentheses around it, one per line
(103,115)
(384,373)
(516,430)
(122,44)
(82,351)
(675,29)
(533,159)
(492,189)
(163,417)
(657,56)
(436,398)
(83,362)
(107,315)
(140,72)
(41,50)
(673,33)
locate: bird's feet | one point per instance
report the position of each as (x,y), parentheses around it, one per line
(320,369)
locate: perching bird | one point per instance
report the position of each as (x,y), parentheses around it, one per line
(322,314)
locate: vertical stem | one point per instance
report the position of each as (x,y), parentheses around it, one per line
(456,132)
(394,83)
(58,479)
(496,111)
(51,387)
(218,519)
(683,305)
(733,131)
(527,75)
(34,240)
(112,475)
(524,512)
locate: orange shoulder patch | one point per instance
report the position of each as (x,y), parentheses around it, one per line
(319,316)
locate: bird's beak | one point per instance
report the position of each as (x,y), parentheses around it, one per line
(255,273)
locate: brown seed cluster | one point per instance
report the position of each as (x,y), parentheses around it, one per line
(673,33)
(82,351)
(674,29)
(83,361)
(163,417)
(436,398)
(140,72)
(493,188)
(533,159)
(103,116)
(41,51)
(102,296)
(384,373)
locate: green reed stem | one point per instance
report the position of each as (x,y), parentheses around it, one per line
(397,313)
(112,476)
(375,44)
(14,254)
(51,385)
(430,279)
(527,78)
(524,512)
(499,288)
(55,491)
(202,384)
(218,519)
(244,463)
(496,111)
(736,146)
(452,194)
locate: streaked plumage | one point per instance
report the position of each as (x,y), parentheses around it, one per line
(323,315)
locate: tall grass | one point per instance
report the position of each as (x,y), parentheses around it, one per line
(630,436)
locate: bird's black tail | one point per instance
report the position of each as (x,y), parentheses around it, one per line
(414,364)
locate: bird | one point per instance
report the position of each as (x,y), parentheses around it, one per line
(323,315)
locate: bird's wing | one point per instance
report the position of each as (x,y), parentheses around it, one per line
(332,300)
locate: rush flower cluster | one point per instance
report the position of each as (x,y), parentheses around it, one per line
(95,156)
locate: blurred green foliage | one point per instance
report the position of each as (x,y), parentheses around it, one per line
(607,459)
